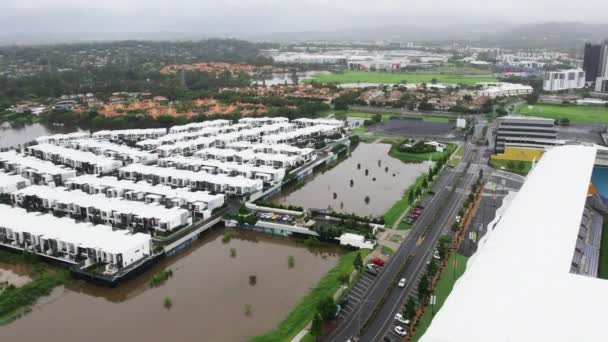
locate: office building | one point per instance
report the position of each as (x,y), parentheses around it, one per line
(525,131)
(564,80)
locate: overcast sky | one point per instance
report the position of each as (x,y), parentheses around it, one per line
(264,16)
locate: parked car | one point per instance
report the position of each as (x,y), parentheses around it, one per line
(378,261)
(388,339)
(274,217)
(415,216)
(373,267)
(436,255)
(402,283)
(399,318)
(372,271)
(344,301)
(338,309)
(399,330)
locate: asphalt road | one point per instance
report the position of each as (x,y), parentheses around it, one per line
(437,218)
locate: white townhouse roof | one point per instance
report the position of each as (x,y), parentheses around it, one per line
(76,155)
(58,138)
(84,235)
(301,132)
(129,132)
(225,166)
(193,126)
(105,146)
(166,191)
(103,203)
(41,166)
(204,177)
(263,120)
(518,285)
(319,121)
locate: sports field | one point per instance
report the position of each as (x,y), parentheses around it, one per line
(400,77)
(576,114)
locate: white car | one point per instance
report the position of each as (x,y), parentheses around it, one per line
(402,283)
(399,330)
(399,318)
(436,255)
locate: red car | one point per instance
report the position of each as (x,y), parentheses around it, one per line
(414,215)
(378,261)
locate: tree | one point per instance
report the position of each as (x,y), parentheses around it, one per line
(434,81)
(425,183)
(340,104)
(317,326)
(444,246)
(423,288)
(327,308)
(467,98)
(344,278)
(410,196)
(358,262)
(377,118)
(410,309)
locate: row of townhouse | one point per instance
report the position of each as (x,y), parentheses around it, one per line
(269,175)
(35,170)
(281,161)
(173,138)
(132,135)
(185,148)
(306,122)
(60,139)
(301,135)
(12,182)
(98,208)
(86,162)
(196,126)
(200,203)
(306,154)
(236,185)
(123,153)
(71,241)
(254,134)
(257,122)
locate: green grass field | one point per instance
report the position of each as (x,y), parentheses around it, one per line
(418,157)
(399,77)
(519,167)
(443,289)
(576,114)
(303,313)
(603,267)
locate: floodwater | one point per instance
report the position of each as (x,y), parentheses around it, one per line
(209,291)
(16,275)
(18,135)
(386,180)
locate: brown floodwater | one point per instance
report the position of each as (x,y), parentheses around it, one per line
(209,291)
(374,174)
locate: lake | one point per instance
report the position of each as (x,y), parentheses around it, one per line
(209,290)
(374,174)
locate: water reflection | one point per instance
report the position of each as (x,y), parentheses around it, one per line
(359,184)
(20,134)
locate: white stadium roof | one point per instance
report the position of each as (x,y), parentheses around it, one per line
(518,286)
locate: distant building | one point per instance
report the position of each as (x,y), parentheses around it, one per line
(591,61)
(601,84)
(525,131)
(564,80)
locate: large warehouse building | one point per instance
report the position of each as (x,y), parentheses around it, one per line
(522,284)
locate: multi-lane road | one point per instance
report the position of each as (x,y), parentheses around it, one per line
(372,318)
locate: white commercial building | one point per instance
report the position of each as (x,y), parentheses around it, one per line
(564,80)
(83,161)
(12,182)
(526,131)
(123,153)
(200,202)
(70,241)
(130,134)
(101,209)
(236,185)
(518,286)
(36,170)
(497,89)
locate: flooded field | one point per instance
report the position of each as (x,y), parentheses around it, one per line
(367,183)
(210,289)
(17,135)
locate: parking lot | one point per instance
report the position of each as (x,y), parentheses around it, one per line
(276,217)
(355,294)
(416,127)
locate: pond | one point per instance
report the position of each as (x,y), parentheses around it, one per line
(17,134)
(378,181)
(209,290)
